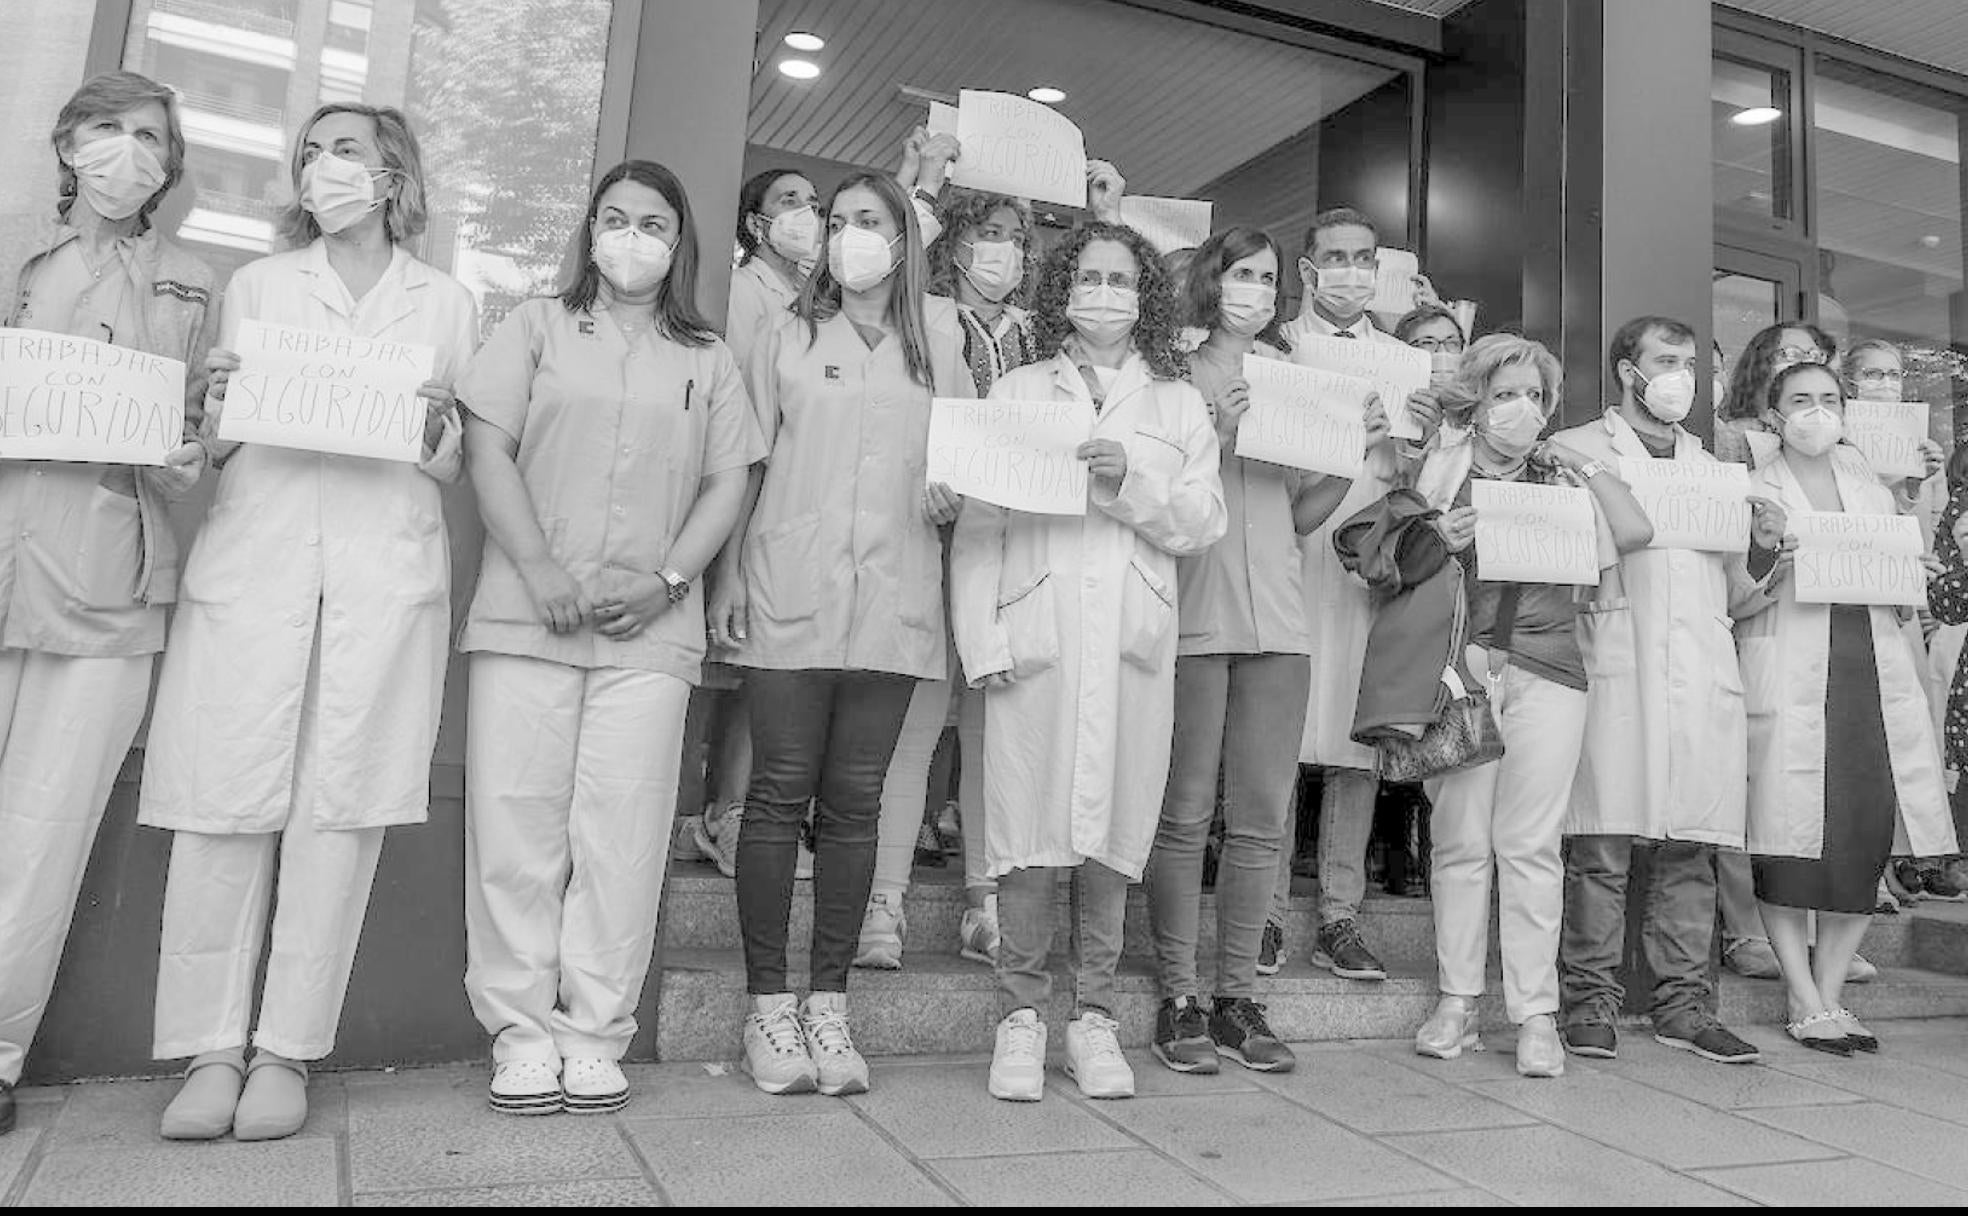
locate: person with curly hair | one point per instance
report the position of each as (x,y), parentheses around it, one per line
(1069,624)
(1769,351)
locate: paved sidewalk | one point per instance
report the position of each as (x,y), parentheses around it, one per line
(1357,1123)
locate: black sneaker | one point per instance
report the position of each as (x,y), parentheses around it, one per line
(1711,1041)
(929,847)
(1341,952)
(1593,1040)
(1240,1031)
(1182,1037)
(1271,950)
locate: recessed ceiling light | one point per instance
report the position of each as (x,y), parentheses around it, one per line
(800,40)
(1756,116)
(799,69)
(1047,94)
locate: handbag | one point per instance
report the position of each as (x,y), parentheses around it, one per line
(1465,734)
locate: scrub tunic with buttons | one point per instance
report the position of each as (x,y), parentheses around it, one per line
(760,300)
(843,570)
(615,438)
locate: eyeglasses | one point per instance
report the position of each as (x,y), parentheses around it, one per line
(1799,354)
(1438,346)
(1879,375)
(1126,280)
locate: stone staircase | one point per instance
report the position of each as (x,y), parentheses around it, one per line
(941,1002)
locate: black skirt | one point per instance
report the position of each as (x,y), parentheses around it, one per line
(1860,801)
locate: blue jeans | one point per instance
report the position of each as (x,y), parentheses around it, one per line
(1677,933)
(1026,903)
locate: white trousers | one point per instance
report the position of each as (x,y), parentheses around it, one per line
(215,920)
(570,794)
(1506,819)
(65,725)
(905,790)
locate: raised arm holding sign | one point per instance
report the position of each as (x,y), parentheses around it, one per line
(1304,417)
(1535,534)
(321,392)
(73,399)
(1693,504)
(1014,145)
(1022,455)
(1395,370)
(1846,558)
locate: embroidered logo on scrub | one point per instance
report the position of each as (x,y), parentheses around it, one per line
(183,291)
(833,372)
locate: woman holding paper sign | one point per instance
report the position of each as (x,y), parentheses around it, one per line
(87,556)
(1241,681)
(1840,735)
(1069,624)
(610,439)
(839,582)
(1504,818)
(299,703)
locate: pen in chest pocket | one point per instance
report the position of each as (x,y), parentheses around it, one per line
(688,387)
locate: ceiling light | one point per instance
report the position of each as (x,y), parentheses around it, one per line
(800,40)
(1047,94)
(799,69)
(1756,116)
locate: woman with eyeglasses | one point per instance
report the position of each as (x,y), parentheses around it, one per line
(1741,434)
(1068,622)
(299,702)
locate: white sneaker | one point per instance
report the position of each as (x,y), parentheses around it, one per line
(1450,1030)
(526,1087)
(683,839)
(977,934)
(716,834)
(1018,1060)
(593,1086)
(881,933)
(840,1068)
(775,1047)
(1094,1059)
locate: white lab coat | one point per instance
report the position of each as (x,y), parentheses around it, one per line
(300,543)
(1785,648)
(1081,610)
(1666,743)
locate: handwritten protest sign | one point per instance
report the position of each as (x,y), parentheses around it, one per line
(1535,534)
(1693,504)
(71,399)
(1394,286)
(1017,454)
(1168,223)
(299,388)
(1844,558)
(1304,417)
(1395,369)
(1014,145)
(1889,433)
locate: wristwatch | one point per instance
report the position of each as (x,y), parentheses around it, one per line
(1591,469)
(679,585)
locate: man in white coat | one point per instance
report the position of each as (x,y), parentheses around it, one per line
(1664,768)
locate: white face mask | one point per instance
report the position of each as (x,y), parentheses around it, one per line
(116,175)
(632,260)
(996,268)
(794,234)
(1668,396)
(860,259)
(1103,314)
(1882,390)
(338,192)
(1248,307)
(1814,430)
(1511,426)
(1344,290)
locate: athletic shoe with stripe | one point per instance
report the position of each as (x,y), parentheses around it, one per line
(593,1087)
(526,1087)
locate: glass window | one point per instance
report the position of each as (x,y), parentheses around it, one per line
(1751,138)
(37,74)
(507,119)
(1270,132)
(1888,168)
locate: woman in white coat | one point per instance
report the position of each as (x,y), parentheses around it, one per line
(1840,737)
(1069,623)
(299,702)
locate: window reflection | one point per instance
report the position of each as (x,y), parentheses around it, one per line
(1751,138)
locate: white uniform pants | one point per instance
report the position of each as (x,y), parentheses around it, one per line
(65,725)
(215,919)
(570,794)
(905,790)
(1506,818)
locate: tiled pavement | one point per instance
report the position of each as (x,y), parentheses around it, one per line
(1358,1123)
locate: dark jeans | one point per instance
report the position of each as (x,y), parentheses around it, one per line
(824,734)
(1679,929)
